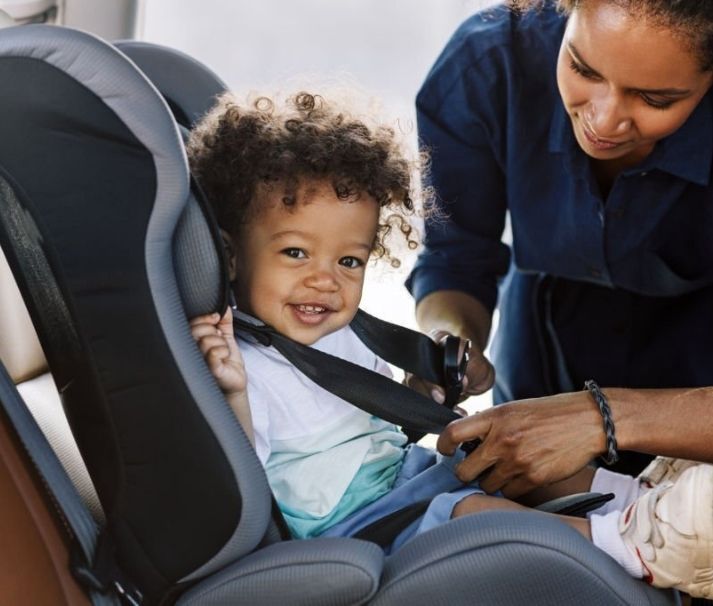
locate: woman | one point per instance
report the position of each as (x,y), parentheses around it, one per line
(591,123)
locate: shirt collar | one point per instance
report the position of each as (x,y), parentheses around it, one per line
(686,154)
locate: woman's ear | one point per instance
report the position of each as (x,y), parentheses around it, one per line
(230,253)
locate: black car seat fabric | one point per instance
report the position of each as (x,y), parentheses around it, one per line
(100,202)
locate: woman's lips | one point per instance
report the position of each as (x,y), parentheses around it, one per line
(598,143)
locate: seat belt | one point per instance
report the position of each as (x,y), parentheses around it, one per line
(442,364)
(366,389)
(407,349)
(92,564)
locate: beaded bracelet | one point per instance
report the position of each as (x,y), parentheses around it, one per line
(601,400)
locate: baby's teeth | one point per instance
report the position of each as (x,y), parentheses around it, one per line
(311,308)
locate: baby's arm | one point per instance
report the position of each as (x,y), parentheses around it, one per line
(216,341)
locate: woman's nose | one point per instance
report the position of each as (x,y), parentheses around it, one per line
(607,117)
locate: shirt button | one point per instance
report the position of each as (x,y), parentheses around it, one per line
(594,272)
(644,174)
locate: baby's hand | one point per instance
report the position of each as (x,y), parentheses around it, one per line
(216,341)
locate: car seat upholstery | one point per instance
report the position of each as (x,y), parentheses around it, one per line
(170,71)
(35,547)
(112,252)
(22,355)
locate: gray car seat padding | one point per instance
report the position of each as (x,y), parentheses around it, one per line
(170,70)
(501,558)
(318,572)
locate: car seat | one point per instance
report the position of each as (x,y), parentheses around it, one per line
(112,253)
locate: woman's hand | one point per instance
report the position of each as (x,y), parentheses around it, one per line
(451,312)
(527,444)
(479,374)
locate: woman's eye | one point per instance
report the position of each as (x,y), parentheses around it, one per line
(351,262)
(295,253)
(656,103)
(581,70)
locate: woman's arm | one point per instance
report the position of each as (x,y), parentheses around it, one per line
(536,442)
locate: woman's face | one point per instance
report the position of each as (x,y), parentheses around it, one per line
(626,83)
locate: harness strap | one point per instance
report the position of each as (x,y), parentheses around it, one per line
(366,389)
(384,530)
(407,349)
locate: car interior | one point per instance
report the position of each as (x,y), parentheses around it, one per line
(126,478)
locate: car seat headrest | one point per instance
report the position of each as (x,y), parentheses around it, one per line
(170,70)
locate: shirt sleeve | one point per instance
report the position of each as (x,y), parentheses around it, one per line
(461,114)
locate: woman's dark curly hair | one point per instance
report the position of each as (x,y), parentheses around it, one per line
(691,19)
(236,149)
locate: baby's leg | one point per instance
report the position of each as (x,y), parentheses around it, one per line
(626,489)
(479,502)
(579,482)
(602,531)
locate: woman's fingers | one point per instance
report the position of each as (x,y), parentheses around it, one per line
(526,444)
(462,430)
(479,375)
(425,388)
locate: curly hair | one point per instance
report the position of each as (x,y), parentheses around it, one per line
(691,19)
(236,149)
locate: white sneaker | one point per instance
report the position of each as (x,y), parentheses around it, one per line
(670,529)
(663,469)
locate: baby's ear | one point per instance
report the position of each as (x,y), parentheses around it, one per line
(230,253)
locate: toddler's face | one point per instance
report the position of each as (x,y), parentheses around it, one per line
(301,268)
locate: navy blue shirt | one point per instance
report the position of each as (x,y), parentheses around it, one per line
(618,290)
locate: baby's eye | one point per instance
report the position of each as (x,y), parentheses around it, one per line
(295,253)
(351,262)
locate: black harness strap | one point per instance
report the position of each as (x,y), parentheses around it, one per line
(407,349)
(366,389)
(384,530)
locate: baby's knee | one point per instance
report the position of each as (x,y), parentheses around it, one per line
(475,503)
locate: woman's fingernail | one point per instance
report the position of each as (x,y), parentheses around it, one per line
(438,395)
